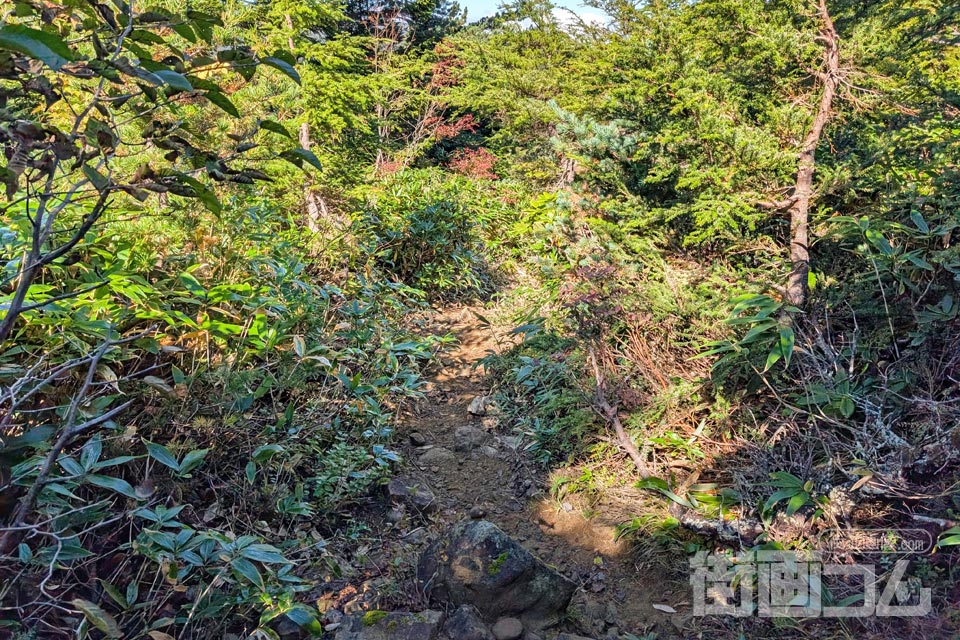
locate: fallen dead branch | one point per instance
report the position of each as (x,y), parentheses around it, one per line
(610,413)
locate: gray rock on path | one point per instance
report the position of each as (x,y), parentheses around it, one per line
(476,563)
(465,624)
(437,456)
(380,625)
(413,493)
(490,452)
(468,438)
(479,405)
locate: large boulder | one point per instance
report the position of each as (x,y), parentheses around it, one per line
(476,563)
(381,625)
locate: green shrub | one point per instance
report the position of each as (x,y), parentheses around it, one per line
(422,229)
(538,391)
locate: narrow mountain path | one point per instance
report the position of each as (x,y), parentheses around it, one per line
(476,468)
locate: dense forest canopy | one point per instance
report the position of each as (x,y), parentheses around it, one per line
(710,242)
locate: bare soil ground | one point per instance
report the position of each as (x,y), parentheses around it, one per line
(579,540)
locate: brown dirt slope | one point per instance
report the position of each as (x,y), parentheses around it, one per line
(617,590)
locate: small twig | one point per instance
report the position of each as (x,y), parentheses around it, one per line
(940,522)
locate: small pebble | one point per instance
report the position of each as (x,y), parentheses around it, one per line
(478,512)
(507,629)
(394,516)
(417,439)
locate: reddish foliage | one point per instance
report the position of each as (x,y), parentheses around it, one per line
(442,73)
(474,163)
(389,167)
(455,128)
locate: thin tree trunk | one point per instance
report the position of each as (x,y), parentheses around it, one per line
(290,30)
(568,172)
(310,197)
(803,192)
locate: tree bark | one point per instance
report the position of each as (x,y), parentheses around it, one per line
(796,293)
(568,172)
(315,209)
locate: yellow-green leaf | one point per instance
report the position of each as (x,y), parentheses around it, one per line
(98,617)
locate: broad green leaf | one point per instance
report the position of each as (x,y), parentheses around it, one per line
(264,553)
(114,462)
(71,466)
(772,358)
(184,31)
(299,346)
(114,593)
(263,453)
(159,384)
(223,102)
(297,156)
(174,80)
(43,46)
(192,460)
(99,181)
(757,332)
(202,193)
(115,484)
(31,438)
(200,16)
(192,284)
(917,261)
(162,455)
(785,479)
(98,617)
(283,66)
(524,372)
(146,37)
(847,407)
(660,485)
(720,348)
(133,592)
(787,341)
(778,495)
(91,452)
(797,502)
(247,569)
(949,538)
(917,218)
(275,127)
(878,240)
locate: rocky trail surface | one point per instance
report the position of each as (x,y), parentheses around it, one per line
(481,529)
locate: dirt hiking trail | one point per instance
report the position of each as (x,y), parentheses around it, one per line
(488,476)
